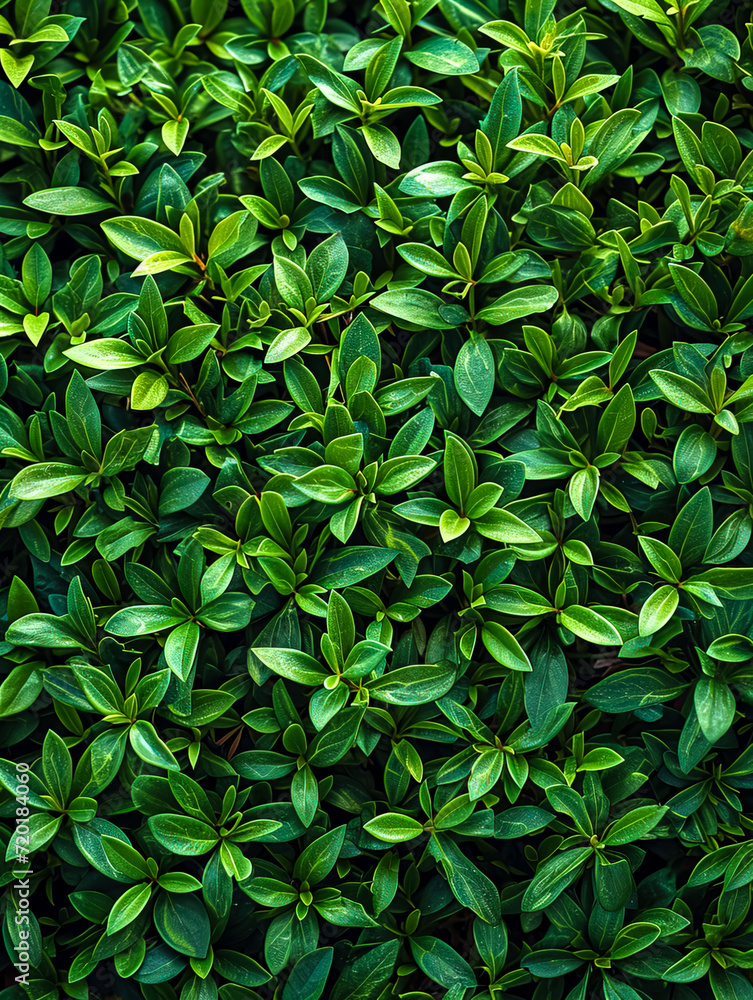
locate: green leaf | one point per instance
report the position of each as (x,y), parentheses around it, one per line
(474,374)
(16,67)
(57,767)
(393,828)
(180,488)
(308,977)
(414,685)
(486,772)
(502,121)
(327,483)
(459,471)
(634,825)
(329,191)
(338,89)
(519,303)
(469,885)
(143,619)
(688,145)
(183,834)
(326,267)
(366,976)
(174,134)
(434,180)
(383,144)
(583,489)
(125,859)
(511,824)
(614,884)
(538,145)
(149,747)
(292,664)
(45,631)
(452,525)
(715,706)
(107,355)
(617,423)
(414,306)
(448,56)
(590,625)
(728,984)
(658,609)
(318,859)
(440,962)
(696,294)
(590,84)
(182,923)
(20,689)
(351,565)
(692,529)
(504,647)
(42,829)
(398,474)
(138,237)
(68,201)
(148,391)
(636,688)
(567,800)
(426,259)
(662,558)
(694,454)
(553,877)
(127,907)
(682,392)
(47,479)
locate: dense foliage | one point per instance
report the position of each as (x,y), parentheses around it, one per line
(376,499)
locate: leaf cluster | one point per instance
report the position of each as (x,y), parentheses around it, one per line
(376,499)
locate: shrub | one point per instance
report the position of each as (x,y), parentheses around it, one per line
(376,499)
